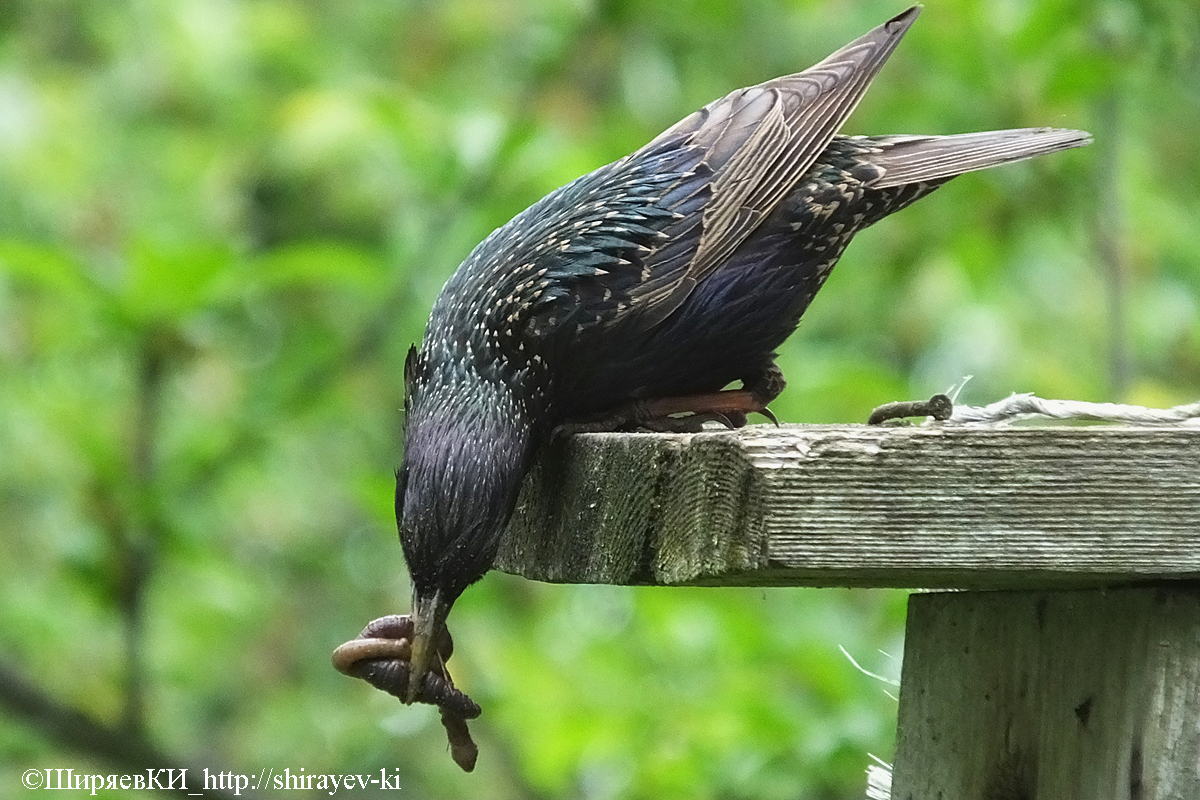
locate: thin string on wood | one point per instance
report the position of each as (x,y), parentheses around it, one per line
(1027,406)
(1017,407)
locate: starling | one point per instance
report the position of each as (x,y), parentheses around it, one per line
(634,295)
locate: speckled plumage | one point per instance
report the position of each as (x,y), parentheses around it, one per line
(669,273)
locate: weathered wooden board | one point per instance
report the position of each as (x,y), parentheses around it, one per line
(931,506)
(1072,695)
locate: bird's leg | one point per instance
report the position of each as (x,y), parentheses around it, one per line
(687,414)
(731,407)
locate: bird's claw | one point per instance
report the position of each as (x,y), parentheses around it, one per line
(381,656)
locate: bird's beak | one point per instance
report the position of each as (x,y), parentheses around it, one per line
(428,615)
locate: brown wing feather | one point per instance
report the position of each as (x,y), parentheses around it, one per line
(759,141)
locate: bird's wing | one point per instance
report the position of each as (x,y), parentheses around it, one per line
(755,144)
(626,244)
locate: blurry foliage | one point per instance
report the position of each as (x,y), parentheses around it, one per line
(222,223)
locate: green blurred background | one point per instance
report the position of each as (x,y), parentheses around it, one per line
(223,223)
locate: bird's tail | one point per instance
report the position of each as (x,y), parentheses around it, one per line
(917,159)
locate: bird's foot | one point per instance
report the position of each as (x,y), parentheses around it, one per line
(685,414)
(381,656)
(692,423)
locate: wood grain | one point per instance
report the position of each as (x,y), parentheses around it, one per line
(932,506)
(1075,695)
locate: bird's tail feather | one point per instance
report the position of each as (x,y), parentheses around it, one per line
(916,159)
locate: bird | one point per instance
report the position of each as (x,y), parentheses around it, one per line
(634,295)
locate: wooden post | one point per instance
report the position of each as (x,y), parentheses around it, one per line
(1060,686)
(1074,695)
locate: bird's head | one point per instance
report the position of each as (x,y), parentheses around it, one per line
(468,442)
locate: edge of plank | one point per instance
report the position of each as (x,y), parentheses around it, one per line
(949,506)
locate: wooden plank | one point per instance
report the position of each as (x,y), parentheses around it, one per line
(930,506)
(1072,695)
